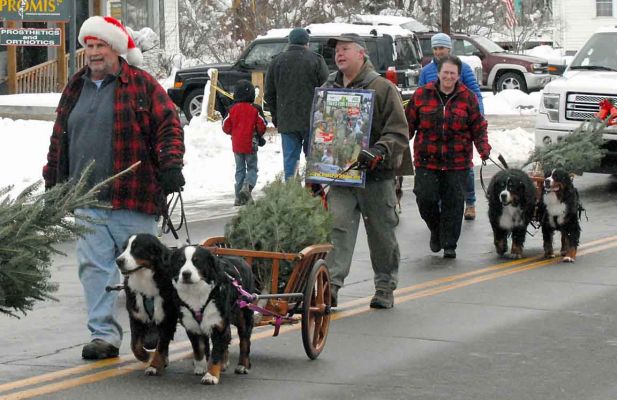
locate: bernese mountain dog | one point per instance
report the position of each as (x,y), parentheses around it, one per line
(207,307)
(560,207)
(511,204)
(150,298)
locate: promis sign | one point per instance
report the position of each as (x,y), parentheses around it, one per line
(35,10)
(30,37)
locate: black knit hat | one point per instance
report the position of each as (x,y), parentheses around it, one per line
(298,36)
(244,91)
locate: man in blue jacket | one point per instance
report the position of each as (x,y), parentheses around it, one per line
(442,46)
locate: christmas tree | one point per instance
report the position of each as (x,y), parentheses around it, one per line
(577,152)
(30,225)
(286,219)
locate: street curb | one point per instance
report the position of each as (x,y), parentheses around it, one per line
(28,112)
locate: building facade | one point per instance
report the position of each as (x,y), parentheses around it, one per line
(159,15)
(576,20)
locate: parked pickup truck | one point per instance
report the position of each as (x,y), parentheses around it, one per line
(575,97)
(394,51)
(500,69)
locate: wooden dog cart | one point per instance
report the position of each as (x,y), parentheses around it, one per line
(306,296)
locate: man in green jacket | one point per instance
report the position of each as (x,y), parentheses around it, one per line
(383,159)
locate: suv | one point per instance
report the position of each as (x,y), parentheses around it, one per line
(500,69)
(575,97)
(394,51)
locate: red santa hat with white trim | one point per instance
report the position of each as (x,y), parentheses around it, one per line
(111,31)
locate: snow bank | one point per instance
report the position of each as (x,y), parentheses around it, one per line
(511,102)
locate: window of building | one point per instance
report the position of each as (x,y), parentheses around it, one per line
(604,8)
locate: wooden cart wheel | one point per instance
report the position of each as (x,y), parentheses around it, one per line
(316,310)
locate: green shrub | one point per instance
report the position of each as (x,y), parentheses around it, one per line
(286,219)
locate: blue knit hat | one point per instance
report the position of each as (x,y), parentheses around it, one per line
(298,36)
(441,40)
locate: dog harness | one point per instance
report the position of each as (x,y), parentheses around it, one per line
(198,315)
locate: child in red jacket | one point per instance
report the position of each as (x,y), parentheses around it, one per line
(246,124)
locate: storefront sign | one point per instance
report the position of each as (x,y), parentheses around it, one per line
(30,37)
(35,10)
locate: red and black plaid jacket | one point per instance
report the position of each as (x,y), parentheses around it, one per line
(445,132)
(146,128)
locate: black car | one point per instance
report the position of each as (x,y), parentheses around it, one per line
(394,51)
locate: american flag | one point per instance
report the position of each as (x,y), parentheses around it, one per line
(510,13)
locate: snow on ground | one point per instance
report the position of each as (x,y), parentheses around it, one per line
(511,102)
(31,99)
(210,167)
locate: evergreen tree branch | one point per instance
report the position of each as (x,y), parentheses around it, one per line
(32,224)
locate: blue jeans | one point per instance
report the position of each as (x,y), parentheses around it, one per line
(293,142)
(246,170)
(96,258)
(470,195)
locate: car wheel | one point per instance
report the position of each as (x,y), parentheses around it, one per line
(192,104)
(511,80)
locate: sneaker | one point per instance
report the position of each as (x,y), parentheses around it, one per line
(382,299)
(98,349)
(334,295)
(435,242)
(449,253)
(470,213)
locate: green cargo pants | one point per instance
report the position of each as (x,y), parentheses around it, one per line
(375,203)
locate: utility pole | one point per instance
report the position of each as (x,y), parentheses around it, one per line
(445,16)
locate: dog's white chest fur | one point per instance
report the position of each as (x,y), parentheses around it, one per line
(511,217)
(142,284)
(555,209)
(195,296)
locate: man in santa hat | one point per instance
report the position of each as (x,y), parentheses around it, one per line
(115,114)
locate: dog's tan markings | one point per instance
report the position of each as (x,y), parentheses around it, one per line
(570,255)
(137,346)
(567,249)
(516,251)
(501,246)
(213,376)
(244,363)
(143,263)
(565,244)
(157,363)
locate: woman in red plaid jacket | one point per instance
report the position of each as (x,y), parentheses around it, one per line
(445,119)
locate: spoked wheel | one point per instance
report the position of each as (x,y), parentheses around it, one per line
(316,310)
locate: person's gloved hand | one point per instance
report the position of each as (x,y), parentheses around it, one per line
(371,158)
(484,157)
(171,180)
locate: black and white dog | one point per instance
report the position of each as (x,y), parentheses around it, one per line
(511,204)
(560,207)
(150,299)
(207,306)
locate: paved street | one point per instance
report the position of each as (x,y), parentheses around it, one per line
(477,327)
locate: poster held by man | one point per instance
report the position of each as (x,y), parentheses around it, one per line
(340,130)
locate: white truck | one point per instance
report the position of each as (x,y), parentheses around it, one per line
(575,97)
